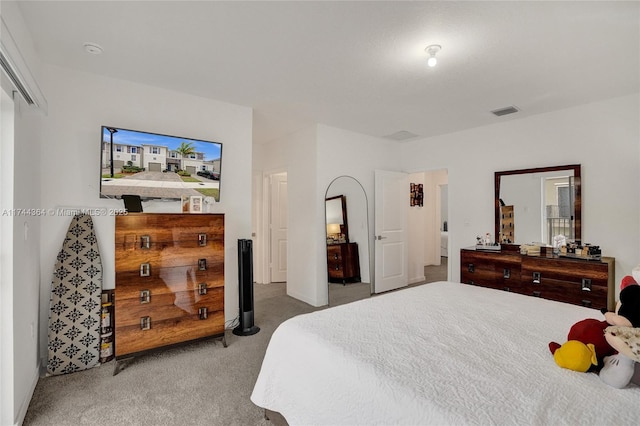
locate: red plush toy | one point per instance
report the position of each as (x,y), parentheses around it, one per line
(589,331)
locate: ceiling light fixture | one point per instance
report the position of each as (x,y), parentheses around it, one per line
(431,50)
(93,48)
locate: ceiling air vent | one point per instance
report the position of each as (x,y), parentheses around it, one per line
(504,111)
(402,135)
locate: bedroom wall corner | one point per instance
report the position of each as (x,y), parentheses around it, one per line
(601,136)
(80,103)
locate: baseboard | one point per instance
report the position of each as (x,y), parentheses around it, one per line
(417,280)
(303,299)
(24,404)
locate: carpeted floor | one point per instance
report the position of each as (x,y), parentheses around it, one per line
(197,384)
(340,294)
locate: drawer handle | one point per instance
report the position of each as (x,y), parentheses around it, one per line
(145,242)
(202,240)
(337,268)
(202,288)
(145,323)
(586,285)
(145,269)
(537,294)
(536,277)
(335,256)
(203,313)
(506,273)
(145,296)
(202,264)
(586,303)
(471,267)
(507,289)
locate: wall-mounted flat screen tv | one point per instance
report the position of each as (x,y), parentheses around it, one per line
(155,166)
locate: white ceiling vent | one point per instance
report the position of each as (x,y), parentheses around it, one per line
(402,135)
(504,111)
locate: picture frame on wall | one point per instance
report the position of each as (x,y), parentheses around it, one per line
(195,204)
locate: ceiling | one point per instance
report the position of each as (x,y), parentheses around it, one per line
(359,66)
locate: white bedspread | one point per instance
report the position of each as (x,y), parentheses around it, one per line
(441,353)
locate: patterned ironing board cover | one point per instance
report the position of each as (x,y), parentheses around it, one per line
(75,308)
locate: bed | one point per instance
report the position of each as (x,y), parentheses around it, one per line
(440,353)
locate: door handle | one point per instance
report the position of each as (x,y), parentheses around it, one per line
(380,237)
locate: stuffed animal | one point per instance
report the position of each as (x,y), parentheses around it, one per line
(624,336)
(589,331)
(575,355)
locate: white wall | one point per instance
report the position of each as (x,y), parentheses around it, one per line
(345,153)
(312,158)
(20,275)
(603,137)
(79,103)
(296,154)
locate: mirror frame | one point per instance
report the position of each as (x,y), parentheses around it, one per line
(345,224)
(577,201)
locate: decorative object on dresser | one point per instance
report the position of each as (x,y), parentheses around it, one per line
(169,280)
(343,263)
(587,283)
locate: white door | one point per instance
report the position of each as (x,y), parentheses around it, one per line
(278,235)
(391,245)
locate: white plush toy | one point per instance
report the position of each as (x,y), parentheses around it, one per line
(624,336)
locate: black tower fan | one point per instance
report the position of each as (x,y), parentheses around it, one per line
(245,278)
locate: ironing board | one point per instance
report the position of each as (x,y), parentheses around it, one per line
(75,308)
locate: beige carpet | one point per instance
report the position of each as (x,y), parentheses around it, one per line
(340,294)
(197,384)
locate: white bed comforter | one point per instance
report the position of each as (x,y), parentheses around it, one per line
(441,353)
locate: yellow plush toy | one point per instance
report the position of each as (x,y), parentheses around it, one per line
(575,355)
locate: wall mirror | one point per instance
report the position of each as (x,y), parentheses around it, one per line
(347,233)
(540,205)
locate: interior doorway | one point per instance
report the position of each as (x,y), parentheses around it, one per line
(428,229)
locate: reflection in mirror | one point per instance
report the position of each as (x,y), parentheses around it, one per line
(540,205)
(337,220)
(348,257)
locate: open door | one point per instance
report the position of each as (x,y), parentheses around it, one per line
(391,245)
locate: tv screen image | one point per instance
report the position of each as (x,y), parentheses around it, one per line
(155,166)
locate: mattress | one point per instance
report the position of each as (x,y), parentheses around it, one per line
(441,353)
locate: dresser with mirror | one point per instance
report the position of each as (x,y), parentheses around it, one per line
(540,206)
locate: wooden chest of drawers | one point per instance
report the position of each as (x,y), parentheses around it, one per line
(487,269)
(343,263)
(169,280)
(580,282)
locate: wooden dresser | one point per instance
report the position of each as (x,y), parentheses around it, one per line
(343,263)
(588,283)
(169,280)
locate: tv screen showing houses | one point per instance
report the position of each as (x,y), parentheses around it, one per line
(158,166)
